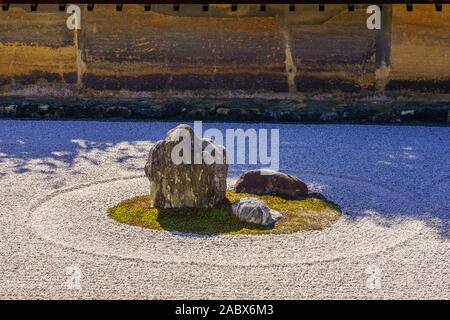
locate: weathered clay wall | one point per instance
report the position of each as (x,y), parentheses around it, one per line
(248,50)
(421,49)
(152,51)
(35,47)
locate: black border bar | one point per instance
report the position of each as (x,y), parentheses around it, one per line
(203,2)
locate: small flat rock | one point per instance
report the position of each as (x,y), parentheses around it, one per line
(256,211)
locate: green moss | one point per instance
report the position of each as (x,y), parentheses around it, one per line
(308,214)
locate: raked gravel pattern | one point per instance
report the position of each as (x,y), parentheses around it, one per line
(57,179)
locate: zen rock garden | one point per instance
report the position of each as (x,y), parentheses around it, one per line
(188,193)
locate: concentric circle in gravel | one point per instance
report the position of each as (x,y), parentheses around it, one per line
(77,218)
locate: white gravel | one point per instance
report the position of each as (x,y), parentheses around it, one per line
(58,178)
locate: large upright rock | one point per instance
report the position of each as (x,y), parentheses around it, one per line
(190,184)
(264,181)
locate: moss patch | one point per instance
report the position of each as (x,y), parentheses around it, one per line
(308,214)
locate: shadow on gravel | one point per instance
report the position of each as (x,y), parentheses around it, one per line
(389,171)
(46,146)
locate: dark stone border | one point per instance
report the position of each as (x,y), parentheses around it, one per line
(227,109)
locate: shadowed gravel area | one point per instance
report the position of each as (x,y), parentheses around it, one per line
(57,179)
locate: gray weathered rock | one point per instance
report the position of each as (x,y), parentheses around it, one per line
(253,210)
(263,181)
(188,184)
